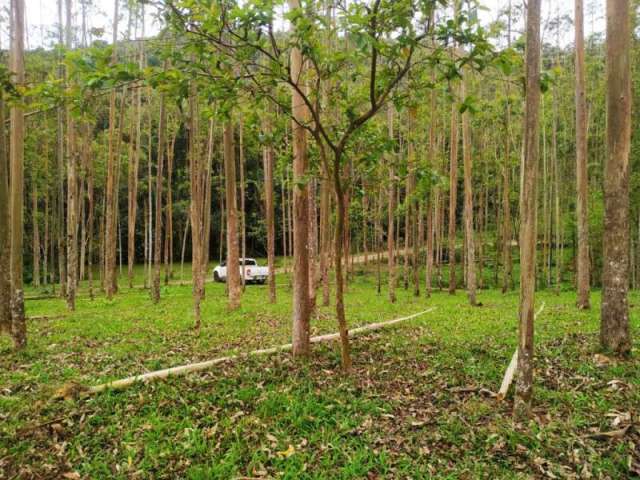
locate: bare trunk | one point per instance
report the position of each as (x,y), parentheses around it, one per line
(614,328)
(5,233)
(468,204)
(157,246)
(267,162)
(16,146)
(528,203)
(36,237)
(233,265)
(301,311)
(391,209)
(582,178)
(110,226)
(453,197)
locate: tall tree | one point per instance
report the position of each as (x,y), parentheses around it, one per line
(391,260)
(16,145)
(468,202)
(5,231)
(301,310)
(111,280)
(528,205)
(582,179)
(453,195)
(234,286)
(269,204)
(614,327)
(157,247)
(72,186)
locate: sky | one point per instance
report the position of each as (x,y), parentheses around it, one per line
(42,18)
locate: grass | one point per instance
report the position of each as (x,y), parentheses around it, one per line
(417,404)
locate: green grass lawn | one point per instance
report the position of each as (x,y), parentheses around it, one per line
(417,404)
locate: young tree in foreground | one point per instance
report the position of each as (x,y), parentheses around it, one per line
(614,326)
(16,144)
(582,180)
(528,205)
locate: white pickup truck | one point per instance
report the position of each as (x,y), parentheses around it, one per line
(252,272)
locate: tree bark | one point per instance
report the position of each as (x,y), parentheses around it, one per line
(157,247)
(16,146)
(111,206)
(453,196)
(301,310)
(614,327)
(5,231)
(582,178)
(233,266)
(468,203)
(391,261)
(267,162)
(528,204)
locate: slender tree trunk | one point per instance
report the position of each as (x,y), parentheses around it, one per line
(528,204)
(36,237)
(391,210)
(16,151)
(582,178)
(325,236)
(507,282)
(60,223)
(90,227)
(267,162)
(157,247)
(72,189)
(233,262)
(342,321)
(110,226)
(468,203)
(168,250)
(301,310)
(615,335)
(197,184)
(453,197)
(243,226)
(132,190)
(5,232)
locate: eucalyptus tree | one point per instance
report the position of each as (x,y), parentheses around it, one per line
(343,87)
(528,210)
(582,179)
(614,327)
(16,156)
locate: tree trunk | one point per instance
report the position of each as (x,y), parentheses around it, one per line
(614,327)
(267,162)
(453,197)
(528,204)
(468,203)
(233,266)
(391,261)
(132,190)
(16,146)
(157,247)
(582,178)
(36,237)
(111,205)
(301,310)
(5,233)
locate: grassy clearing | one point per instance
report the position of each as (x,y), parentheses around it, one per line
(415,405)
